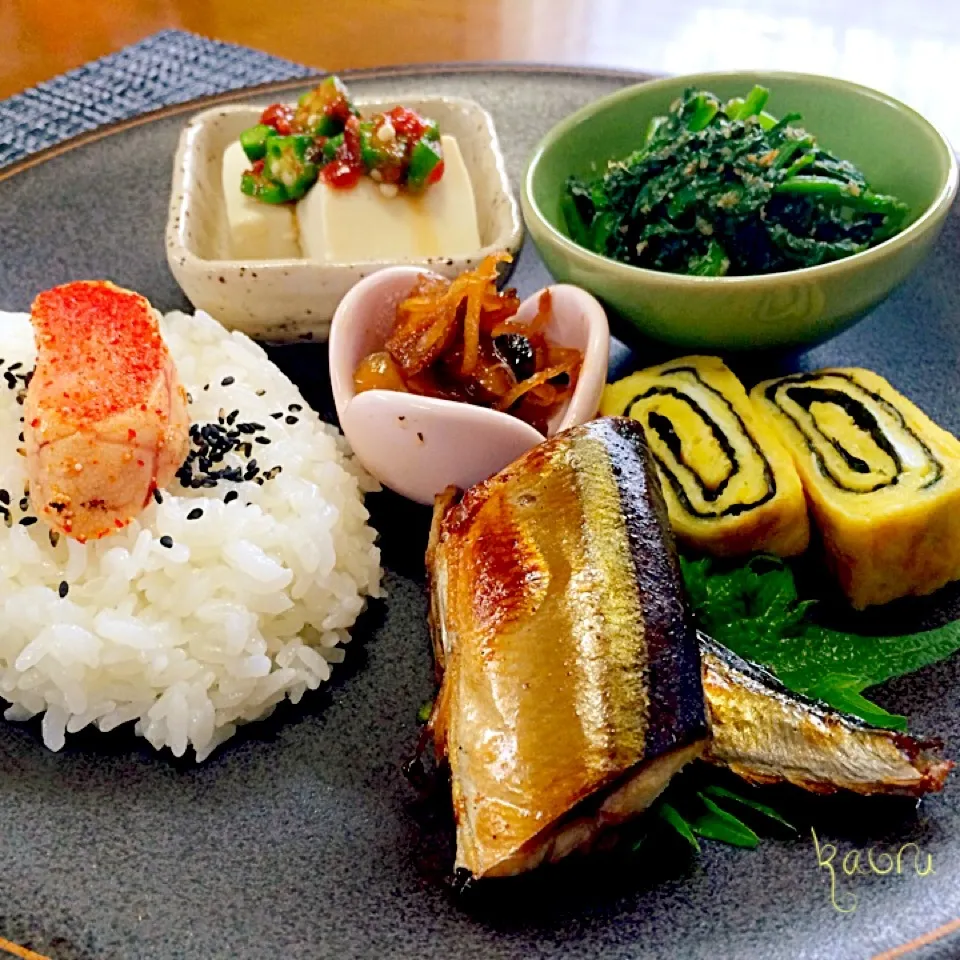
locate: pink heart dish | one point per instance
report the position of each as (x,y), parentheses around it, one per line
(418,445)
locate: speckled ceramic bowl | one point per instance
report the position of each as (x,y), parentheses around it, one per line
(284,300)
(418,446)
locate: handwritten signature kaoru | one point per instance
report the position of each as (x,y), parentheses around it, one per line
(907,859)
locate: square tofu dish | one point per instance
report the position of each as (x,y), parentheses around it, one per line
(277,270)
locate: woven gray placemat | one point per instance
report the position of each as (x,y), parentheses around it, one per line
(168,67)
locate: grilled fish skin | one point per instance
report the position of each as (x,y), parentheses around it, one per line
(571,688)
(765,734)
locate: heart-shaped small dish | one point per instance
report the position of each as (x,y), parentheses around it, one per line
(416,445)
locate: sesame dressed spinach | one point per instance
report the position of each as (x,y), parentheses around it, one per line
(722,189)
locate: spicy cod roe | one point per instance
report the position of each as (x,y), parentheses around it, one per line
(105,415)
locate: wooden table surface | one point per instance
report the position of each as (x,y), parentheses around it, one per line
(911,50)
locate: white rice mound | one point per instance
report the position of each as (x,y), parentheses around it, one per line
(250,605)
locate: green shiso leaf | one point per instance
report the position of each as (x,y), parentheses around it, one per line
(754,609)
(696,805)
(670,815)
(715,823)
(841,690)
(716,792)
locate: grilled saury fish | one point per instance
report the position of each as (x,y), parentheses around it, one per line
(571,688)
(573,682)
(766,734)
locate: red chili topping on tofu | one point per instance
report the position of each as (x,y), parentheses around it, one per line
(101,348)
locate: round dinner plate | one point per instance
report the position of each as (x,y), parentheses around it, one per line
(301,838)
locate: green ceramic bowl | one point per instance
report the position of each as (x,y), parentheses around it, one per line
(898,151)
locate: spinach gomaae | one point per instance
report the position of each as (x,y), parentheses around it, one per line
(726,188)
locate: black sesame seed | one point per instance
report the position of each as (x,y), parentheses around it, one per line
(210,444)
(15,366)
(261,439)
(277,415)
(157,495)
(24,502)
(54,538)
(27,521)
(206,386)
(260,393)
(292,420)
(231,419)
(294,408)
(231,495)
(20,438)
(227,381)
(166,542)
(4,497)
(64,589)
(195,514)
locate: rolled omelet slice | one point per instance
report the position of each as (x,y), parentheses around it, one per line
(729,483)
(882,479)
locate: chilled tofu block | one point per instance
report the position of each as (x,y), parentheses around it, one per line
(256,230)
(883,480)
(729,483)
(363,223)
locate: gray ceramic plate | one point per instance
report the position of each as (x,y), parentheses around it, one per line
(301,839)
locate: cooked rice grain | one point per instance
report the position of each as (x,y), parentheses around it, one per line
(188,623)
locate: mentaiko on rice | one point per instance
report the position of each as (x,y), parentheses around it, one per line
(232,590)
